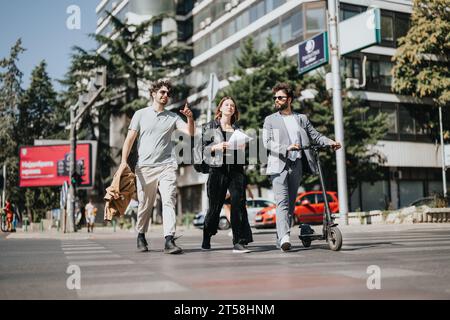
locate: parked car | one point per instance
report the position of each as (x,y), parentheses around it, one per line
(253,207)
(432,202)
(309,208)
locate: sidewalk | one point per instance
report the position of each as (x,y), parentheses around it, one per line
(156,231)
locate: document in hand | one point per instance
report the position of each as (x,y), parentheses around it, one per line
(238,138)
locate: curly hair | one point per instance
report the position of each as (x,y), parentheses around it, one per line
(159,84)
(284,87)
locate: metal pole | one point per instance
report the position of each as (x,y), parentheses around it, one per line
(73,152)
(337,109)
(4,186)
(444,179)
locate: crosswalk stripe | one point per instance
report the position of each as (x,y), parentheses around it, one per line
(91,256)
(115,274)
(87,251)
(131,289)
(93,263)
(83,248)
(395,250)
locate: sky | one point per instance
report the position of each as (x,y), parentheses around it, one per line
(42,25)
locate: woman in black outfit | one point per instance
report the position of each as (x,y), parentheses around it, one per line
(226,172)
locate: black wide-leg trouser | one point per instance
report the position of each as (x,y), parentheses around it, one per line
(232,178)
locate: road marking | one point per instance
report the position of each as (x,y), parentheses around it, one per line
(85,252)
(385,273)
(101,263)
(91,256)
(83,248)
(115,274)
(394,250)
(125,290)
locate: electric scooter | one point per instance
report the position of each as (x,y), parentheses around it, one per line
(330,231)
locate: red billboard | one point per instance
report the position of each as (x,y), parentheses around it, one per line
(45,166)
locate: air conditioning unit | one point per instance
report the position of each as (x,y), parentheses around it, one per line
(351,83)
(234,3)
(228,7)
(202,24)
(208,21)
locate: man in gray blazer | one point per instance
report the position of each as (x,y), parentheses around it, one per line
(284,133)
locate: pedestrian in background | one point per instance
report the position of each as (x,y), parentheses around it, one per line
(90,212)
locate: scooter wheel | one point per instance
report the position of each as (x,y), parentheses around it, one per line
(306,243)
(335,239)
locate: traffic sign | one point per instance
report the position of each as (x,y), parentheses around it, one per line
(360,31)
(313,53)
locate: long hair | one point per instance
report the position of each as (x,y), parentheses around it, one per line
(234,117)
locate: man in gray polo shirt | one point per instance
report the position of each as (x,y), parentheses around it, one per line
(156,166)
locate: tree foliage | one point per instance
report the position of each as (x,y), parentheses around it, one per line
(422,66)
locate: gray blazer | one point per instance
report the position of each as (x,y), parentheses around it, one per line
(276,140)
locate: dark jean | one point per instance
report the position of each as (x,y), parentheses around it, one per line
(232,178)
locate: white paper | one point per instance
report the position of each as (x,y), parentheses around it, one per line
(238,138)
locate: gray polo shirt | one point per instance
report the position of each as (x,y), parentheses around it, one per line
(155,146)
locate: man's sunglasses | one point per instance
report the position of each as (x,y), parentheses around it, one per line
(163,92)
(279,98)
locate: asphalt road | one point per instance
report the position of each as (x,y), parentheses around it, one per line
(408,262)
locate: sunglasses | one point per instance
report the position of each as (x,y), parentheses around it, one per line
(163,92)
(279,98)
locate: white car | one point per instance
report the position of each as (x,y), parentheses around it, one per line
(253,206)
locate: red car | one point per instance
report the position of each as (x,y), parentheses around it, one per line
(309,208)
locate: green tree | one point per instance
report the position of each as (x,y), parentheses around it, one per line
(255,75)
(10,95)
(38,119)
(422,65)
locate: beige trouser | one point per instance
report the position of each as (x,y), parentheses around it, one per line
(149,180)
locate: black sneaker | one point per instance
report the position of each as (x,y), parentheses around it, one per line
(240,248)
(170,247)
(142,244)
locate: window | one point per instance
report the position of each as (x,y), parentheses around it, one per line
(256,11)
(286,31)
(310,197)
(243,20)
(315,19)
(385,74)
(297,24)
(392,120)
(406,121)
(387,28)
(275,33)
(320,198)
(401,26)
(410,191)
